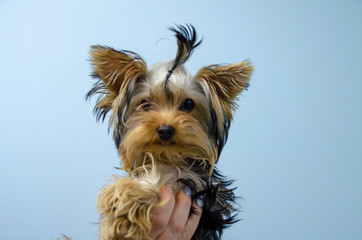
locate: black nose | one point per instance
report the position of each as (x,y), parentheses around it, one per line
(166,132)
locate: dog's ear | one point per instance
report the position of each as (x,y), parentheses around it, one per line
(118,73)
(226,82)
(116,68)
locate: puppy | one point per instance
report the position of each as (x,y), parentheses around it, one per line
(169,128)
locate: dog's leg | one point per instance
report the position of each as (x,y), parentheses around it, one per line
(126,208)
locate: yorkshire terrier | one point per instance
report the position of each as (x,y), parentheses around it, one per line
(169,128)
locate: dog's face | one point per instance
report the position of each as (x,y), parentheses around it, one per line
(164,113)
(169,119)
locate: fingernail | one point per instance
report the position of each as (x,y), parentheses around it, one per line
(200,201)
(187,190)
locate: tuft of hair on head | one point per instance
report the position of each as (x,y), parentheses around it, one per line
(186,37)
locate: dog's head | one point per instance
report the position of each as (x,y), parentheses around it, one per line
(163,112)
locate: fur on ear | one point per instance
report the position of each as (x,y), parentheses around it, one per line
(118,72)
(226,83)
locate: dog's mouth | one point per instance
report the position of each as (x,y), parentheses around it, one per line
(165,142)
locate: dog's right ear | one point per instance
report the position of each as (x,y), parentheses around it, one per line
(118,72)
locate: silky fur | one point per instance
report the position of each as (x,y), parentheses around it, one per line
(140,101)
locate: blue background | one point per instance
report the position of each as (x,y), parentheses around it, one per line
(295,147)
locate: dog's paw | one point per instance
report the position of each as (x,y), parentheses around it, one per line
(125,208)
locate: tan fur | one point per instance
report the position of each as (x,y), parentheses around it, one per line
(118,71)
(126,205)
(225,83)
(125,209)
(191,140)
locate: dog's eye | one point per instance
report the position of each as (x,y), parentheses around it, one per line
(188,105)
(145,103)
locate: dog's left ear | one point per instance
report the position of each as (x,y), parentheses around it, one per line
(226,83)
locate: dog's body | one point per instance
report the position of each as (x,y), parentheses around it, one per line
(169,128)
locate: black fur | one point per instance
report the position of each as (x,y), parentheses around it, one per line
(186,43)
(99,88)
(219,137)
(219,208)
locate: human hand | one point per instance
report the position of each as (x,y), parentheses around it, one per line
(173,221)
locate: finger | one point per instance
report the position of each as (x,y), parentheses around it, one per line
(194,219)
(163,213)
(179,215)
